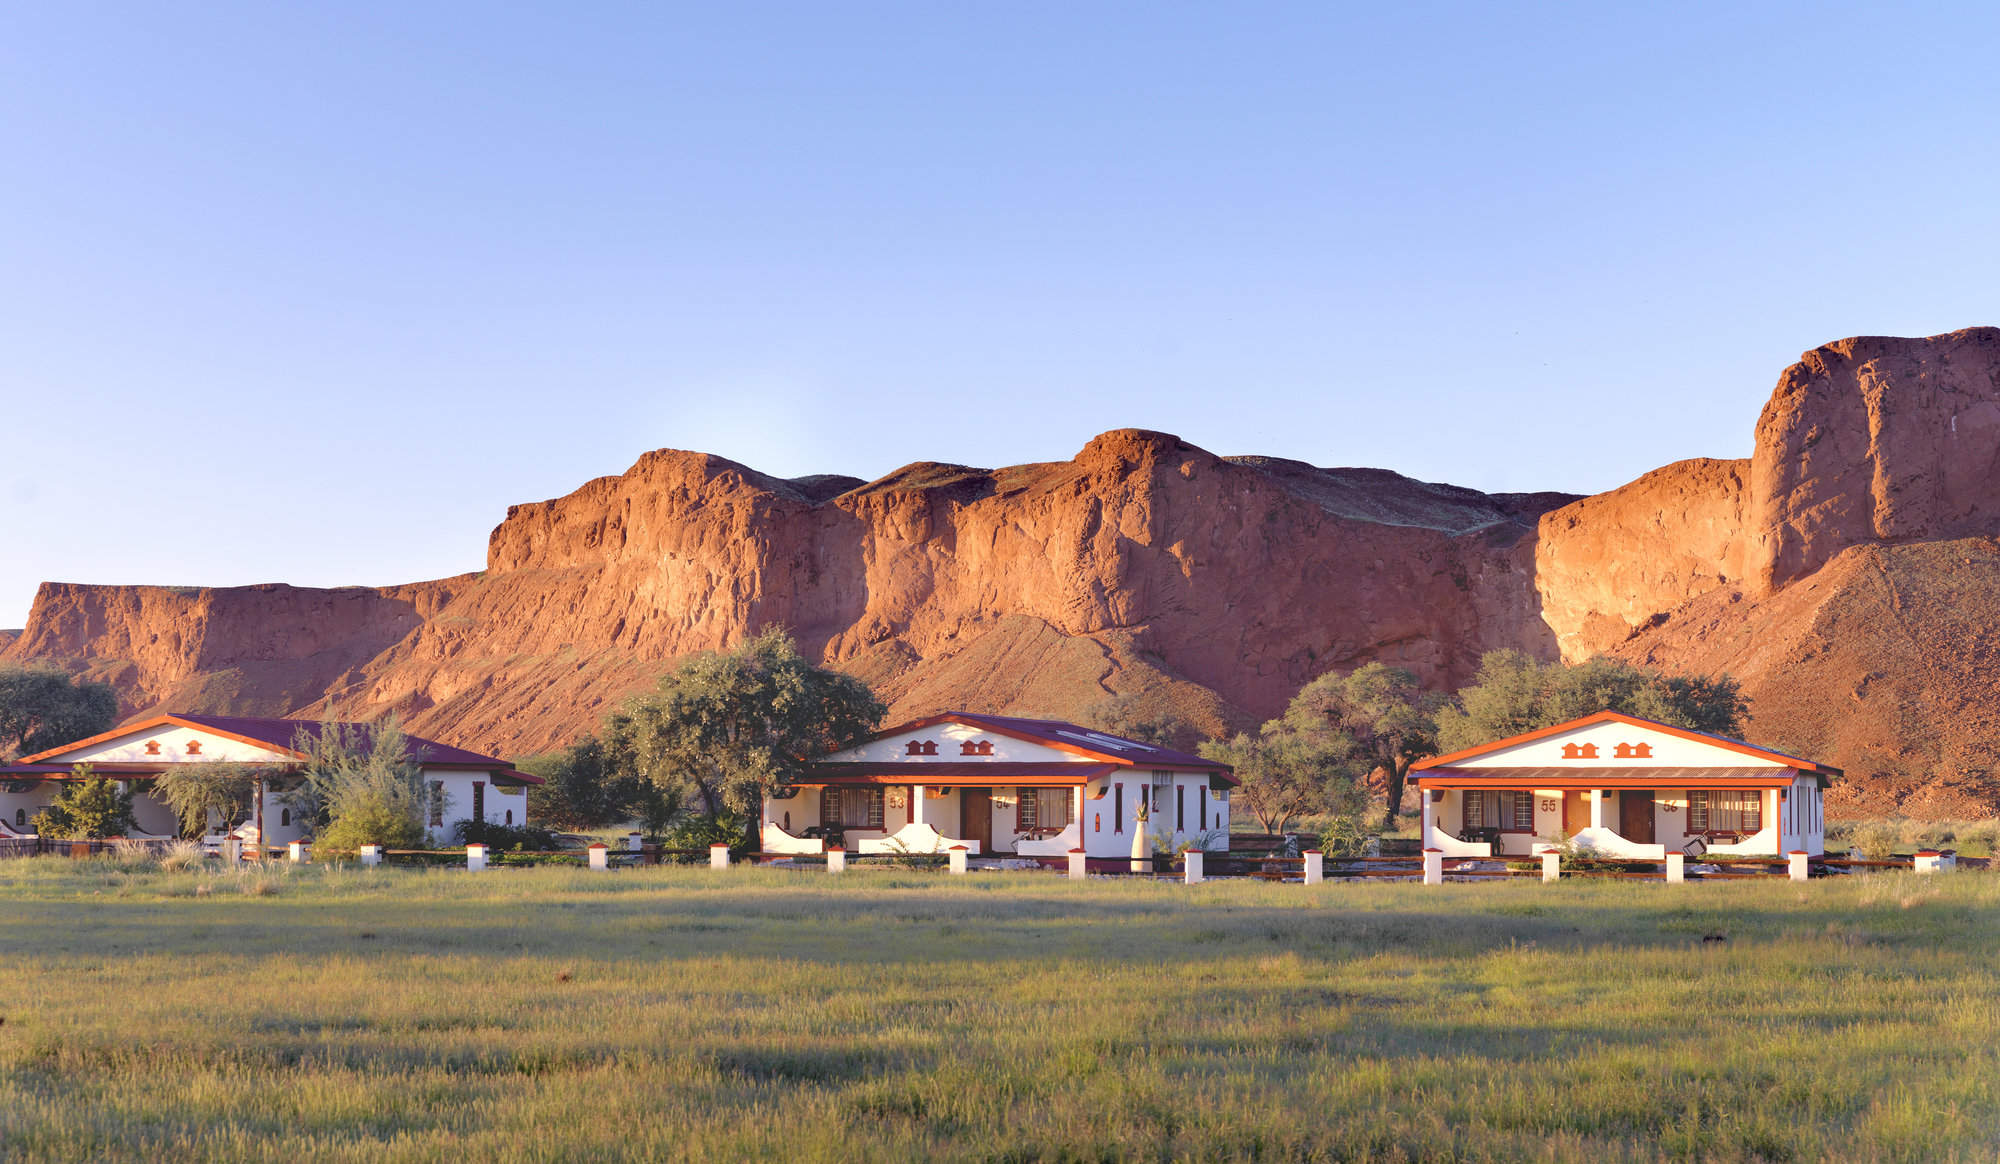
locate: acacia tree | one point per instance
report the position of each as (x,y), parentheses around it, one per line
(1389,716)
(1514,693)
(1129,717)
(43,708)
(359,785)
(1288,770)
(220,789)
(726,728)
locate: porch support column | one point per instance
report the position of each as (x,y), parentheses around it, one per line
(1597,808)
(1775,822)
(1429,810)
(916,805)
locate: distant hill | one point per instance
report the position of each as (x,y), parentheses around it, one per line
(1846,573)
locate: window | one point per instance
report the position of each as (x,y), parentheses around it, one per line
(1042,808)
(1118,808)
(20,818)
(851,808)
(1180,810)
(1725,812)
(1204,810)
(479,801)
(437,803)
(1508,811)
(1163,783)
(510,817)
(285,818)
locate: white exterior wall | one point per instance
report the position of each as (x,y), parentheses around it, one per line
(1668,751)
(173,741)
(457,802)
(18,809)
(949,738)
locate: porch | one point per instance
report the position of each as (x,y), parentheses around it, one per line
(863,816)
(1633,823)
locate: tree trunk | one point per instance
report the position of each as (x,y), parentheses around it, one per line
(1397,783)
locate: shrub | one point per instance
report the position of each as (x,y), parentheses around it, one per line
(366,820)
(1877,840)
(86,808)
(182,856)
(699,832)
(499,836)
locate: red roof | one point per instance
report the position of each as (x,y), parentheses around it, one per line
(1568,777)
(1746,749)
(278,735)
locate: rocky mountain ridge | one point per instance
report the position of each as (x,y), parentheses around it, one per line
(1840,572)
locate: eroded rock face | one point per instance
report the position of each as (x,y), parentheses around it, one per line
(1145,566)
(1845,575)
(1876,439)
(1609,565)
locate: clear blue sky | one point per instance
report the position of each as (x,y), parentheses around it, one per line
(312,293)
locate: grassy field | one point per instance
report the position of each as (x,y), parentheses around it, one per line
(555,1014)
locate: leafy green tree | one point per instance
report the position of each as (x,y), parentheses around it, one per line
(1514,693)
(725,728)
(43,708)
(1289,770)
(1389,716)
(86,807)
(359,785)
(197,792)
(589,785)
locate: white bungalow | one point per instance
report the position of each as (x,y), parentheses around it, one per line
(464,785)
(1001,785)
(1624,787)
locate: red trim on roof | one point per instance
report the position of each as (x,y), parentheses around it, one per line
(1733,745)
(277,735)
(999,772)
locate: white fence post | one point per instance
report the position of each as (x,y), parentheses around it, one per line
(475,857)
(296,852)
(1191,866)
(635,840)
(232,851)
(958,858)
(718,856)
(371,856)
(1433,866)
(1552,865)
(1676,868)
(1076,869)
(1928,861)
(836,859)
(1796,862)
(1315,866)
(600,857)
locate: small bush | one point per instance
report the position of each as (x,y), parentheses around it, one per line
(1877,840)
(499,836)
(86,808)
(182,856)
(367,820)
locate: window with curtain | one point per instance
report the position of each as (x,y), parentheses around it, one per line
(1711,811)
(851,808)
(1508,811)
(1042,808)
(1163,785)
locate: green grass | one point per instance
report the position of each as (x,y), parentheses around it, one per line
(556,1014)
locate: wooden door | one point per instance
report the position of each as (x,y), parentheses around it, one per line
(975,809)
(1635,815)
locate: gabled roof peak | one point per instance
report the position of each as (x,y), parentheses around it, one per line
(1610,716)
